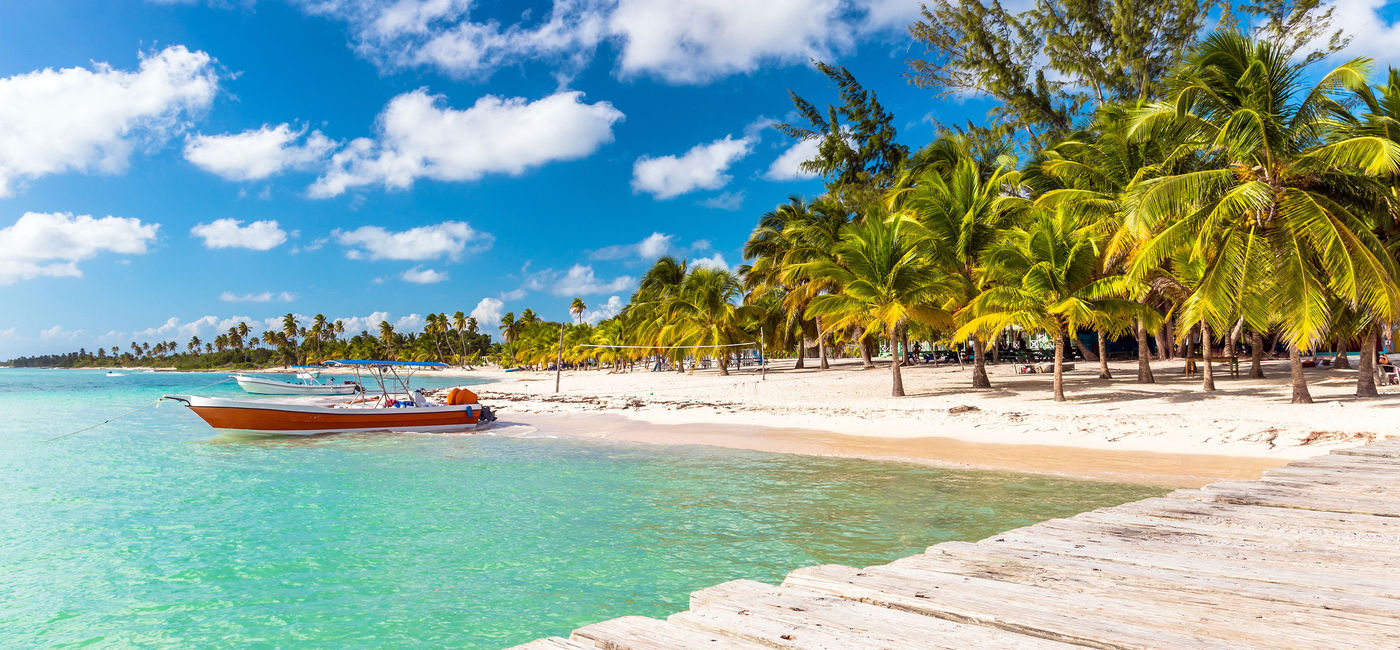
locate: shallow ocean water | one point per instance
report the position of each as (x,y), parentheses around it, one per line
(153,531)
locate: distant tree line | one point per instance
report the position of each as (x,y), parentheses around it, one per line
(453,340)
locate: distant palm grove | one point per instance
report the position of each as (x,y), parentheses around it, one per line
(1191,195)
(452,339)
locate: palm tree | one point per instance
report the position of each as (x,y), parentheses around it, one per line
(704,313)
(1090,173)
(1272,211)
(647,309)
(509,329)
(959,213)
(884,282)
(772,249)
(1045,272)
(815,234)
(386,334)
(192,346)
(577,308)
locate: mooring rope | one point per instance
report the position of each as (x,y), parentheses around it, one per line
(132,411)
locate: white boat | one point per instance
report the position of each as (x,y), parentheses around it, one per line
(393,407)
(307,383)
(115,374)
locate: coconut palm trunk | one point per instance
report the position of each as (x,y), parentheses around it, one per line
(1208,369)
(866,360)
(723,364)
(979,365)
(1341,359)
(821,346)
(898,389)
(1144,354)
(1299,381)
(1366,367)
(1084,351)
(1163,343)
(1103,358)
(1059,367)
(1256,355)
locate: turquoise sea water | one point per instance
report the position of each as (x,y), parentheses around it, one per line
(151,531)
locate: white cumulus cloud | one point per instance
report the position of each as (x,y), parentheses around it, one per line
(702,167)
(788,165)
(488,312)
(609,309)
(579,280)
(91,119)
(420,138)
(677,41)
(256,154)
(715,261)
(52,244)
(265,296)
(57,333)
(653,246)
(693,41)
(447,239)
(418,275)
(231,233)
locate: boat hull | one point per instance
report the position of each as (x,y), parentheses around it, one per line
(248,417)
(261,386)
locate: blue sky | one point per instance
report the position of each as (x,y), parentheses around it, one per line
(168,168)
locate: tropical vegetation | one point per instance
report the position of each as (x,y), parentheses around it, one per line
(1194,188)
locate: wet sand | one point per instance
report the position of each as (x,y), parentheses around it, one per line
(1147,468)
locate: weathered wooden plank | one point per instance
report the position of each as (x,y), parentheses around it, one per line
(1227,514)
(554,643)
(1186,541)
(1185,612)
(1181,578)
(1257,610)
(1349,462)
(1261,532)
(793,618)
(1382,449)
(1347,480)
(1228,562)
(1255,493)
(642,633)
(1033,611)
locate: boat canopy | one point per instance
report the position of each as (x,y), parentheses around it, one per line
(377,362)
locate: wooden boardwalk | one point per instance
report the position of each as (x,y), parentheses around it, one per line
(1306,557)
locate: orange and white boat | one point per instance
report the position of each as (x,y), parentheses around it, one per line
(389,410)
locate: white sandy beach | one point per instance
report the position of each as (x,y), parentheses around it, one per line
(1169,432)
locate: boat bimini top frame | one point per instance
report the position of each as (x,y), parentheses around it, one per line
(381,371)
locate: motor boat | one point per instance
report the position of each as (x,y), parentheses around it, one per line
(115,374)
(307,383)
(392,407)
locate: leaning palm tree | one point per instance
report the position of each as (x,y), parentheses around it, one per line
(576,308)
(884,282)
(1046,282)
(1272,208)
